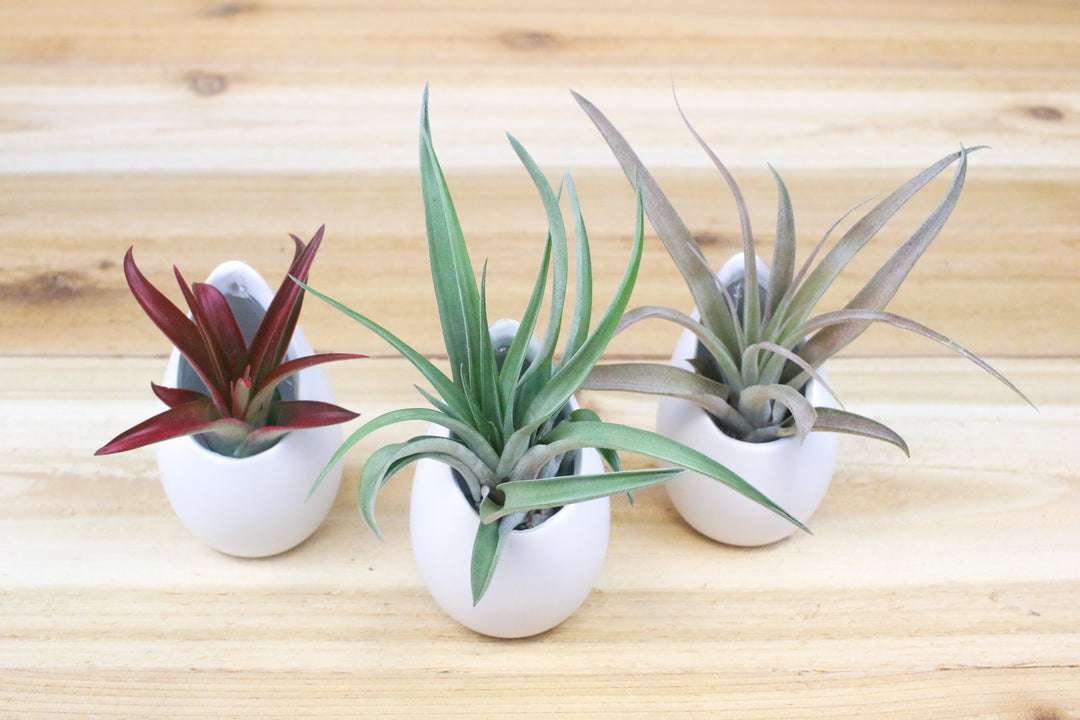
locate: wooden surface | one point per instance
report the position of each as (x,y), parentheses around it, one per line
(946,585)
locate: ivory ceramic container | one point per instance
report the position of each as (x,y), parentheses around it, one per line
(794,475)
(255,506)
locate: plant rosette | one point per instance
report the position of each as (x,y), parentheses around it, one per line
(512,432)
(796,475)
(758,374)
(545,572)
(255,506)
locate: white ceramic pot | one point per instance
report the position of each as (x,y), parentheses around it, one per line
(543,574)
(255,506)
(794,475)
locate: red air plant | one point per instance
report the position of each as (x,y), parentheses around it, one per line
(241,413)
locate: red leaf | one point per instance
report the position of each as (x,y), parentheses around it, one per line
(171,320)
(271,340)
(291,367)
(220,317)
(216,370)
(174,397)
(187,419)
(296,414)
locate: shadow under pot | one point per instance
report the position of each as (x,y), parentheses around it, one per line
(255,506)
(794,475)
(544,572)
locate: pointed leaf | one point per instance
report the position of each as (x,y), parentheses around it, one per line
(877,293)
(582,315)
(669,381)
(783,263)
(677,238)
(841,421)
(751,320)
(450,392)
(487,547)
(174,397)
(290,367)
(570,436)
(271,340)
(174,323)
(523,495)
(188,419)
(846,316)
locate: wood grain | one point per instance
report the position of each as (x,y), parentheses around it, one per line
(940,586)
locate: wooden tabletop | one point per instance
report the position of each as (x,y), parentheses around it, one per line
(946,585)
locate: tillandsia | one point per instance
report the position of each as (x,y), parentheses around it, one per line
(239,410)
(760,343)
(507,417)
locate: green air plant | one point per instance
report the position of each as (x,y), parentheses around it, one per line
(759,349)
(507,419)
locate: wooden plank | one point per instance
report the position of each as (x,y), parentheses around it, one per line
(938,586)
(997,280)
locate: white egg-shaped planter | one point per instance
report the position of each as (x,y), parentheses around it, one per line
(543,574)
(255,506)
(794,475)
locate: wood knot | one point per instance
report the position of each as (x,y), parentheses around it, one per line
(230,9)
(526,40)
(207,84)
(707,238)
(44,288)
(1046,112)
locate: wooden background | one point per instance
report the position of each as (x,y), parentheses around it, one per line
(942,586)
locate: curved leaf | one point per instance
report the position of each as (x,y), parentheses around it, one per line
(191,418)
(524,495)
(846,316)
(571,436)
(840,421)
(677,238)
(754,401)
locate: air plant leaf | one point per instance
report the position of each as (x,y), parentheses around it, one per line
(751,318)
(783,264)
(763,359)
(550,492)
(509,428)
(839,317)
(490,539)
(840,421)
(176,326)
(570,436)
(677,238)
(887,280)
(186,419)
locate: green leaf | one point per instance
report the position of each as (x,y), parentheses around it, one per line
(573,371)
(841,421)
(677,238)
(570,436)
(749,360)
(510,373)
(611,457)
(450,392)
(523,495)
(385,462)
(487,547)
(542,363)
(582,315)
